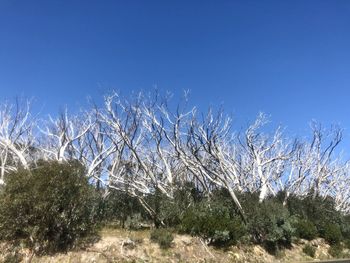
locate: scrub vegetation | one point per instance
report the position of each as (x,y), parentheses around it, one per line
(136,164)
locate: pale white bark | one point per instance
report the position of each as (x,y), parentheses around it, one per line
(142,146)
(16,136)
(59,134)
(267,156)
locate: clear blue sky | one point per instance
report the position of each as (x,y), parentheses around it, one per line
(290,59)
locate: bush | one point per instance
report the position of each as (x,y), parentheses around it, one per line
(347,243)
(213,222)
(49,207)
(332,234)
(169,212)
(345,227)
(309,250)
(269,222)
(318,210)
(305,229)
(163,237)
(336,251)
(119,207)
(13,257)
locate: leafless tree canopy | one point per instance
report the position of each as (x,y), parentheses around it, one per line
(145,144)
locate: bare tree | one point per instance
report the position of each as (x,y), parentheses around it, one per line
(144,146)
(59,134)
(212,152)
(339,188)
(267,156)
(134,148)
(321,150)
(16,136)
(94,148)
(297,172)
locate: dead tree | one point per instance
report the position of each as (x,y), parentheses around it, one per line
(16,136)
(59,134)
(267,156)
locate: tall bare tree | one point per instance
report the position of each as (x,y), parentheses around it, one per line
(16,136)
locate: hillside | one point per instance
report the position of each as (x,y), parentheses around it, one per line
(116,245)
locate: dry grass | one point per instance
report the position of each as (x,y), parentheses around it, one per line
(119,245)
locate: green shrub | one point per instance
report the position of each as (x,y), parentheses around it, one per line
(49,207)
(213,222)
(318,210)
(345,227)
(269,222)
(119,207)
(170,211)
(309,250)
(133,222)
(332,234)
(347,243)
(336,251)
(305,229)
(13,257)
(163,237)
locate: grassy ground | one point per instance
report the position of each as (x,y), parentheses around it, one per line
(119,245)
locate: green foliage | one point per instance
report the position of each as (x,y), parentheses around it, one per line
(134,222)
(305,229)
(345,227)
(336,251)
(213,221)
(13,257)
(121,207)
(163,237)
(309,250)
(171,211)
(347,243)
(332,234)
(49,207)
(269,222)
(52,207)
(318,210)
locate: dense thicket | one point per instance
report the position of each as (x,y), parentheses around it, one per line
(52,206)
(273,223)
(49,207)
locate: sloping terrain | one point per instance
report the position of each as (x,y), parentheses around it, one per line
(135,246)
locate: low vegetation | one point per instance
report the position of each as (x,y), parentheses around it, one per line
(336,251)
(309,250)
(163,237)
(49,208)
(305,229)
(52,207)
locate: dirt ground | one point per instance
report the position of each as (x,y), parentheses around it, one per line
(118,245)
